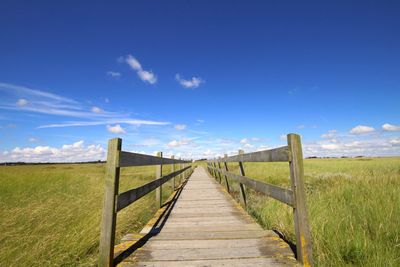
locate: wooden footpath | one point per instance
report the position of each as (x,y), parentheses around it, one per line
(206,227)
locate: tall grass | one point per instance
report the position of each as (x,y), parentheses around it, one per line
(50,214)
(353,204)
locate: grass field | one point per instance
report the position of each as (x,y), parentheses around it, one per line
(50,214)
(353,204)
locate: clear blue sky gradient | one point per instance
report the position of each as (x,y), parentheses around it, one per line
(269,68)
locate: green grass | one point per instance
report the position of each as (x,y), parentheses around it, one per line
(353,204)
(50,214)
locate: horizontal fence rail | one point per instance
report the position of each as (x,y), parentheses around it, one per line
(114,202)
(282,194)
(272,155)
(296,197)
(130,196)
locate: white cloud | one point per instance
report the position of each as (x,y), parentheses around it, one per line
(116,129)
(144,75)
(361,129)
(283,137)
(178,143)
(51,104)
(96,110)
(67,153)
(391,127)
(32,139)
(330,146)
(22,102)
(104,122)
(244,141)
(329,134)
(114,74)
(180,127)
(395,141)
(192,83)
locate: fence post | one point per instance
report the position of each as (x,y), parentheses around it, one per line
(159,175)
(219,170)
(173,170)
(226,177)
(242,186)
(303,236)
(107,234)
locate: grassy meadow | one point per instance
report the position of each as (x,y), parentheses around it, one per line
(353,205)
(50,214)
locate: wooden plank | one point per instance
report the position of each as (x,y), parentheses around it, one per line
(244,262)
(128,159)
(158,176)
(130,196)
(271,155)
(109,216)
(226,177)
(242,187)
(302,230)
(276,192)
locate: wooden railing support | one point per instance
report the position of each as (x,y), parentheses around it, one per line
(242,187)
(107,235)
(159,189)
(172,170)
(226,177)
(303,236)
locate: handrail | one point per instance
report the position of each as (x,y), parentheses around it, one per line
(114,202)
(271,155)
(295,198)
(282,194)
(130,196)
(128,159)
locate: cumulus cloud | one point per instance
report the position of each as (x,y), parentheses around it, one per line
(113,74)
(391,127)
(97,110)
(244,141)
(178,143)
(67,153)
(180,127)
(144,75)
(192,83)
(116,129)
(361,129)
(329,134)
(22,102)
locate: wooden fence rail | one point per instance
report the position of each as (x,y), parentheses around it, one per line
(295,197)
(114,202)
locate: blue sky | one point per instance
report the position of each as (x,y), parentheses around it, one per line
(198,78)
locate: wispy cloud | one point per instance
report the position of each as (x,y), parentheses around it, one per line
(192,83)
(180,127)
(114,74)
(144,75)
(25,99)
(105,122)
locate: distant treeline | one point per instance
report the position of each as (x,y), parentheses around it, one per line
(49,163)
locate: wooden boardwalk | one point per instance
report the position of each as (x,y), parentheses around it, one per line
(206,227)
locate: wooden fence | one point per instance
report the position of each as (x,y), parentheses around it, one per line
(115,202)
(295,197)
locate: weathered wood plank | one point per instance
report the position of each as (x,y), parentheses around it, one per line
(271,155)
(276,192)
(109,216)
(128,159)
(130,196)
(303,236)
